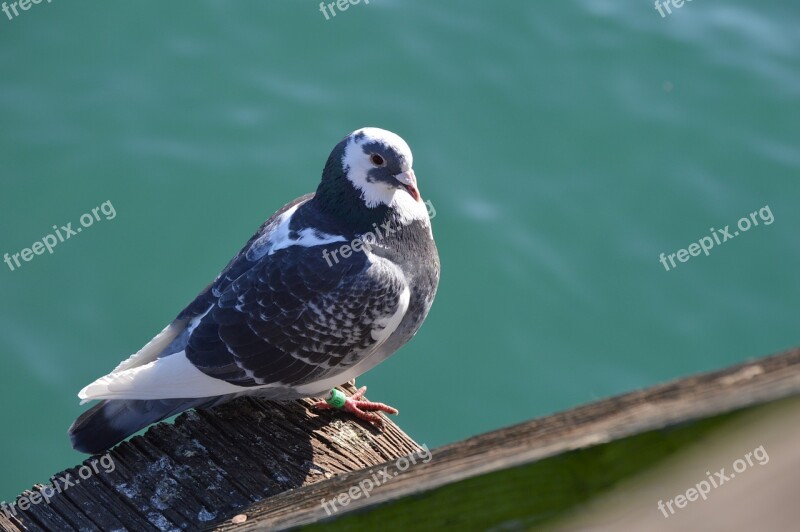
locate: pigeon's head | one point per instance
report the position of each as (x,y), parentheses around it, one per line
(378,164)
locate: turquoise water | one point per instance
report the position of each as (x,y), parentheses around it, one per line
(565,146)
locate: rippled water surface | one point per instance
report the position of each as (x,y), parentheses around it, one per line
(564,145)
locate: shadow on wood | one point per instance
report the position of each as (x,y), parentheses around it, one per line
(207,465)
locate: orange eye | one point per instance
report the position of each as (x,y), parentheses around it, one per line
(377,160)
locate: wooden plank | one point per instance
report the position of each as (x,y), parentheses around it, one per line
(213,465)
(209,464)
(658,410)
(524,496)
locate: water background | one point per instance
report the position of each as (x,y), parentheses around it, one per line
(564,145)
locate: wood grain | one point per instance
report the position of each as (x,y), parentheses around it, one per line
(210,464)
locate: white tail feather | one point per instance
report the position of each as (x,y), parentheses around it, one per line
(170,377)
(153,348)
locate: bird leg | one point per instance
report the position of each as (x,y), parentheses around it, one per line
(360,408)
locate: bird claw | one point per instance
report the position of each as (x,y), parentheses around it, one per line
(360,408)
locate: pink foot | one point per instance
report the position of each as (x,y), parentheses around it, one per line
(355,405)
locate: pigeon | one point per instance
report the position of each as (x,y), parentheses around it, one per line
(327,288)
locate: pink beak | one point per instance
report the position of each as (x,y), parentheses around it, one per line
(408,179)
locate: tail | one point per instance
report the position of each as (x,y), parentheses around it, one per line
(109,422)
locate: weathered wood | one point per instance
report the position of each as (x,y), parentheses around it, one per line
(459,475)
(237,467)
(210,464)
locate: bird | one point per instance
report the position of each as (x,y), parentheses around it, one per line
(328,287)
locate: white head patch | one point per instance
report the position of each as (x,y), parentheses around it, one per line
(357,164)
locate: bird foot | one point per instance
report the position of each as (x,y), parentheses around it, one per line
(355,405)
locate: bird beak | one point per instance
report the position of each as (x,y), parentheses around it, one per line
(409,180)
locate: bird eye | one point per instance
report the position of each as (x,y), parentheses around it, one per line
(377,160)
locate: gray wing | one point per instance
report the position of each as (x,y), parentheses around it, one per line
(294,317)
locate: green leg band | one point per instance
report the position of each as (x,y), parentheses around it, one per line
(336,398)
